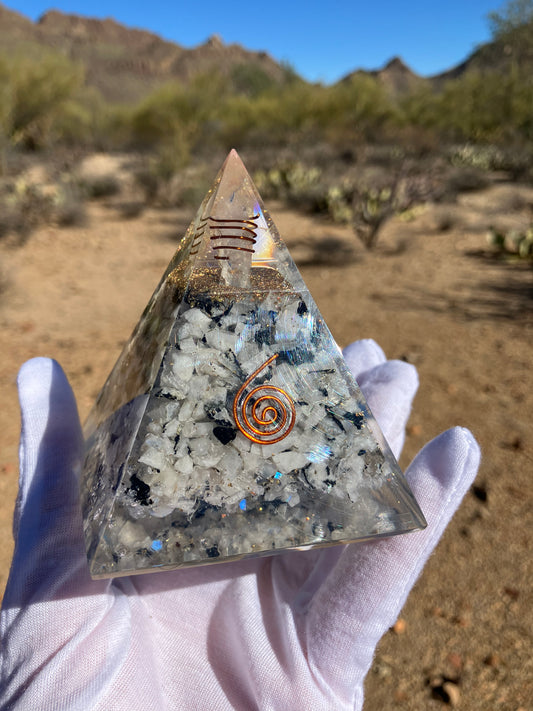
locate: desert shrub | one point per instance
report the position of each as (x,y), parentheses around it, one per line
(371,208)
(177,119)
(354,110)
(163,114)
(237,122)
(515,160)
(157,178)
(397,193)
(69,205)
(24,206)
(35,93)
(298,112)
(250,79)
(478,106)
(88,121)
(419,107)
(512,21)
(100,186)
(465,179)
(484,157)
(338,201)
(277,116)
(163,186)
(365,202)
(293,182)
(515,244)
(131,209)
(445,219)
(307,188)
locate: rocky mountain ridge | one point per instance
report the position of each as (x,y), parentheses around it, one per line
(124,63)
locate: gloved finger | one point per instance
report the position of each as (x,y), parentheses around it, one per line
(47,522)
(51,608)
(365,591)
(389,390)
(363,355)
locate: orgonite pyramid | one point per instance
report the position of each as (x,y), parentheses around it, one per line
(230,425)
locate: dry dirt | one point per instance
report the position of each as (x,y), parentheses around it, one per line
(430,297)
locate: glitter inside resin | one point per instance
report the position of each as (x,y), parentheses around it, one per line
(230,425)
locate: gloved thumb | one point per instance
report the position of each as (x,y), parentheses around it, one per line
(47,522)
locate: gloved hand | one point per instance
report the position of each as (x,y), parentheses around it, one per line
(295,631)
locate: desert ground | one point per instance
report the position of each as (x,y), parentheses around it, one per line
(431,294)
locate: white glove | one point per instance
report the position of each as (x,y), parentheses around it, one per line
(295,631)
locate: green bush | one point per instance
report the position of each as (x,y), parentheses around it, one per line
(250,80)
(68,208)
(97,187)
(24,206)
(34,95)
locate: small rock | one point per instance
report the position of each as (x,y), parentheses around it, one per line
(414,430)
(462,620)
(413,356)
(444,690)
(455,660)
(514,443)
(381,668)
(464,616)
(399,626)
(480,492)
(400,696)
(513,593)
(492,660)
(453,693)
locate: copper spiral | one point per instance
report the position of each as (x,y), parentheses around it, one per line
(266,414)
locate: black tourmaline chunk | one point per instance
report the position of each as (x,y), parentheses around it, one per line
(224,434)
(140,490)
(212,552)
(266,336)
(357,418)
(203,508)
(296,356)
(334,417)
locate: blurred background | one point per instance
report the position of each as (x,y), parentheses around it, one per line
(393,145)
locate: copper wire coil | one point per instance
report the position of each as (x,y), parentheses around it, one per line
(277,422)
(247,239)
(229,246)
(233,227)
(250,221)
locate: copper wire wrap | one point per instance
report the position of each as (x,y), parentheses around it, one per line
(195,246)
(266,414)
(233,239)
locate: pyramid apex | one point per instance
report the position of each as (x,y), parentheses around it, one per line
(233,158)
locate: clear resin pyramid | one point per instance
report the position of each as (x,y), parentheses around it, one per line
(230,425)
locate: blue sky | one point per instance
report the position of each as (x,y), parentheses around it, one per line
(323,40)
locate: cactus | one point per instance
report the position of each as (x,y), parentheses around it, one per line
(514,244)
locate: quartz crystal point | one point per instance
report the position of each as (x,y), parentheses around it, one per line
(230,425)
